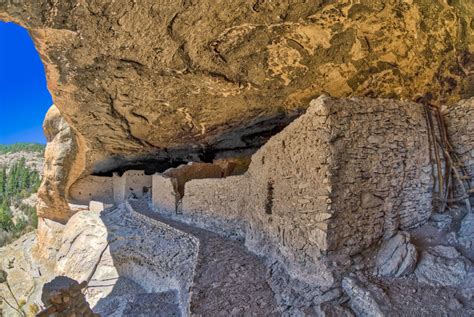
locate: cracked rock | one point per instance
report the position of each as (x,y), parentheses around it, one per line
(366,299)
(396,256)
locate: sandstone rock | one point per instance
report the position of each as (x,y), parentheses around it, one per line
(366,299)
(48,240)
(61,168)
(133,82)
(83,242)
(442,266)
(396,256)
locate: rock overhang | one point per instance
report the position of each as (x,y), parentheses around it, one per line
(130,79)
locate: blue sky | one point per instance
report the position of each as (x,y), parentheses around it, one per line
(24,97)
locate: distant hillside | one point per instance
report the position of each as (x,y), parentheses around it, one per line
(22,147)
(32,153)
(21,169)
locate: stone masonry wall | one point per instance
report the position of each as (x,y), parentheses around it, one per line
(220,209)
(184,173)
(459,120)
(109,190)
(92,188)
(380,170)
(136,183)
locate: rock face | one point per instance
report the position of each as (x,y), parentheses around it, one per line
(132,81)
(83,242)
(396,256)
(62,167)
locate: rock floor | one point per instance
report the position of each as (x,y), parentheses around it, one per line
(229,280)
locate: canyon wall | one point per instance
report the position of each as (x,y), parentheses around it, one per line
(132,82)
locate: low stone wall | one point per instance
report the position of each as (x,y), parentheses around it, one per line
(216,204)
(156,256)
(92,188)
(459,120)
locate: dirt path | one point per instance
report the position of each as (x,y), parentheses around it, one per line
(229,280)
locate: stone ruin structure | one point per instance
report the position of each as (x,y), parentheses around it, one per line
(326,188)
(336,182)
(133,86)
(98,192)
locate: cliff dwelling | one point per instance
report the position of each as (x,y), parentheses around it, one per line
(251,158)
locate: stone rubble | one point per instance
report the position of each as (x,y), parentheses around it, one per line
(443,266)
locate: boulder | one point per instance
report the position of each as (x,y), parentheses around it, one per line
(366,299)
(396,256)
(83,242)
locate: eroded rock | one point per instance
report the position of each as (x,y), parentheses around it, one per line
(366,299)
(396,256)
(83,242)
(62,167)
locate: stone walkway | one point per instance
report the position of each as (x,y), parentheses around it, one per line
(229,280)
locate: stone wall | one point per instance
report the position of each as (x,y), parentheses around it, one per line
(164,195)
(184,173)
(216,204)
(131,184)
(380,170)
(168,262)
(109,190)
(92,188)
(334,182)
(460,124)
